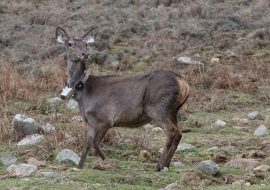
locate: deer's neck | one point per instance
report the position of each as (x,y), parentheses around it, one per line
(75,72)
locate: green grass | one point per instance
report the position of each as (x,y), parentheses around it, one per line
(132,173)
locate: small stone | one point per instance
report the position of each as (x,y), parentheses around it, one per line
(213,149)
(16,188)
(56,101)
(67,156)
(74,169)
(243,163)
(31,139)
(144,155)
(8,160)
(261,131)
(215,60)
(178,164)
(21,170)
(148,126)
(34,161)
(47,128)
(165,169)
(184,147)
(253,115)
(239,183)
(208,167)
(157,130)
(241,121)
(72,104)
(262,168)
(188,60)
(160,150)
(115,64)
(172,186)
(248,184)
(77,118)
(24,125)
(52,175)
(220,123)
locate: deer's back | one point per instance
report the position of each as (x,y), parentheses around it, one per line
(123,100)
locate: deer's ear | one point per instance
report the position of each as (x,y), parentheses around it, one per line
(61,35)
(90,36)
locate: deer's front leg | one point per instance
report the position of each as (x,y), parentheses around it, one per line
(87,145)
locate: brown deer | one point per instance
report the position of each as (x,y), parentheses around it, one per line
(118,101)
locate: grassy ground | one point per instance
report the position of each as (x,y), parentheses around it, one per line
(142,35)
(134,173)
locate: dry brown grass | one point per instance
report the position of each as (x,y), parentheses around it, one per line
(32,67)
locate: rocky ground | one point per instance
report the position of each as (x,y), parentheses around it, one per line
(220,47)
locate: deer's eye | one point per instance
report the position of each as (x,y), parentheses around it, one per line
(69,44)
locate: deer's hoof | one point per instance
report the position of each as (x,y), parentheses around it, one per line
(158,168)
(80,166)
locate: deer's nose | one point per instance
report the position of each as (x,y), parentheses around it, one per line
(85,55)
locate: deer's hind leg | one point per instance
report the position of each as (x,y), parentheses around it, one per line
(177,135)
(174,136)
(167,120)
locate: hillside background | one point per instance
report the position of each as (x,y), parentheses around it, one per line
(136,37)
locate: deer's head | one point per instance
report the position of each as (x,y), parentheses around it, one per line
(78,51)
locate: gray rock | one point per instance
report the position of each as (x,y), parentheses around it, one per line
(241,121)
(115,64)
(52,175)
(47,128)
(215,60)
(15,188)
(148,126)
(157,130)
(21,170)
(24,125)
(8,160)
(261,131)
(165,169)
(73,170)
(188,60)
(56,101)
(262,168)
(172,186)
(213,149)
(239,183)
(77,118)
(184,147)
(208,167)
(253,115)
(178,164)
(220,123)
(160,150)
(31,139)
(72,104)
(67,156)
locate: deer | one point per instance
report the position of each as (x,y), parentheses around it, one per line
(122,101)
